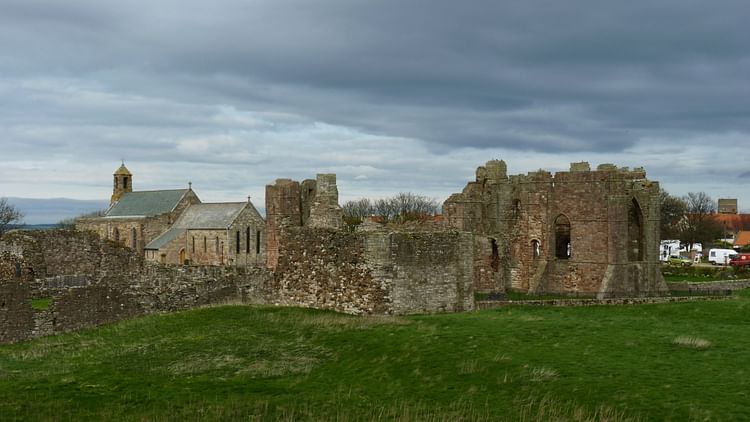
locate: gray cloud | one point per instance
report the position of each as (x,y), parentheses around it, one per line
(221,87)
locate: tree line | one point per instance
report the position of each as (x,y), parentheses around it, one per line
(692,219)
(400,208)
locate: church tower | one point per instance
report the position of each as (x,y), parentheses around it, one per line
(123,183)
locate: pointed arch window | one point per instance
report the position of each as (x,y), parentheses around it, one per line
(562,237)
(635,231)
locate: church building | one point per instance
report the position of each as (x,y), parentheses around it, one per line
(163,225)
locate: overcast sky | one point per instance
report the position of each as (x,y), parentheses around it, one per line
(392,95)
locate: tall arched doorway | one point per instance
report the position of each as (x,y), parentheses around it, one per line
(635,231)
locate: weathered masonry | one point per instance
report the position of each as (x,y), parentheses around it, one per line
(581,231)
(376,269)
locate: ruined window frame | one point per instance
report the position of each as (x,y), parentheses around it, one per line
(635,216)
(257,242)
(563,237)
(536,248)
(133,238)
(237,242)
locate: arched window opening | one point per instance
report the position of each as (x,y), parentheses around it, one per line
(536,248)
(237,243)
(635,232)
(193,244)
(217,245)
(116,235)
(205,244)
(125,182)
(495,257)
(257,242)
(562,237)
(516,208)
(133,238)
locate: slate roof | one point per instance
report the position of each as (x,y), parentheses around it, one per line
(146,203)
(165,238)
(210,216)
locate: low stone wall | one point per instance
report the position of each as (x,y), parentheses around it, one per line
(685,286)
(105,282)
(597,302)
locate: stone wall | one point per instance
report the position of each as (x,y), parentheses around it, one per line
(104,282)
(377,271)
(16,314)
(51,253)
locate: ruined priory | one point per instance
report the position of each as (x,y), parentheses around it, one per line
(584,231)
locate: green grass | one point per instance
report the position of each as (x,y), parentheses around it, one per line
(41,304)
(681,361)
(703,274)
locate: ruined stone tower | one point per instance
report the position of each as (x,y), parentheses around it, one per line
(312,203)
(580,231)
(123,183)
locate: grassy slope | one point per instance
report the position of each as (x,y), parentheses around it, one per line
(529,363)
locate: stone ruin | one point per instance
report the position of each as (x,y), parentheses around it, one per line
(578,232)
(588,232)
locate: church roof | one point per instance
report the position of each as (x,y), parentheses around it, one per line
(165,238)
(123,171)
(146,203)
(210,215)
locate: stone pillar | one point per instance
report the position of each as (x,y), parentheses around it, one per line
(325,211)
(282,203)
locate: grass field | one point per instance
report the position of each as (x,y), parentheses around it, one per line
(682,361)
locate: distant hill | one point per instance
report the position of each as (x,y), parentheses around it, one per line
(44,211)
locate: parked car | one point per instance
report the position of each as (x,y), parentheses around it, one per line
(720,256)
(740,260)
(683,260)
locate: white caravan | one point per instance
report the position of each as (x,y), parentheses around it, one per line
(720,256)
(669,248)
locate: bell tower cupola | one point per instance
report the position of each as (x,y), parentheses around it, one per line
(123,183)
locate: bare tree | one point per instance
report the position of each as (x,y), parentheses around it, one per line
(409,206)
(8,214)
(672,212)
(401,207)
(358,208)
(699,226)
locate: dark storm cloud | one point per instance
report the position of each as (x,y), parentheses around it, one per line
(634,66)
(575,77)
